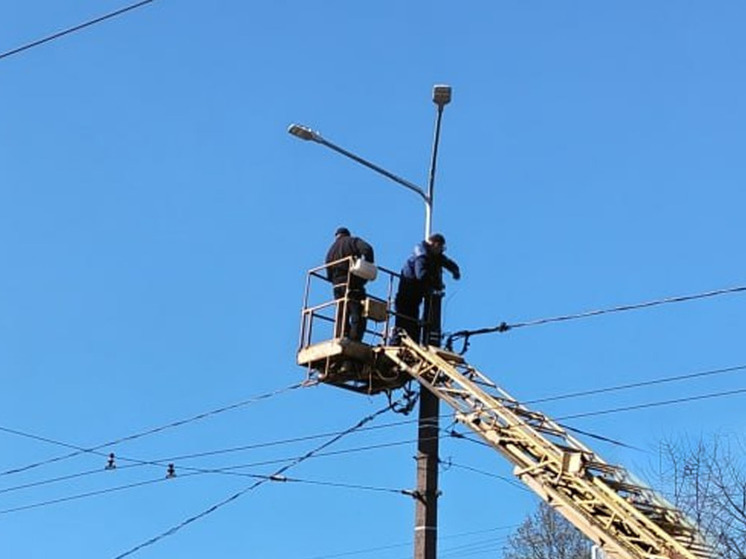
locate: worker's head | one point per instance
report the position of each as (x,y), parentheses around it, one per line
(437,243)
(342,232)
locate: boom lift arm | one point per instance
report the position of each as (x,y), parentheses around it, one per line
(620,515)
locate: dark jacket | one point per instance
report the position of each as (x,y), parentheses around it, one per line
(423,268)
(343,247)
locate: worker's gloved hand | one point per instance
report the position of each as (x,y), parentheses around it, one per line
(457,274)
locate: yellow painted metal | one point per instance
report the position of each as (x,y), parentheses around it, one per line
(619,514)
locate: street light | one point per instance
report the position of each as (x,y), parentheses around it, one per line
(441,97)
(302,132)
(306,133)
(426,518)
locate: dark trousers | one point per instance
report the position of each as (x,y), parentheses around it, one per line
(349,321)
(409,297)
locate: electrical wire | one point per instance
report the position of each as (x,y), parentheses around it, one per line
(52,480)
(228,470)
(82,495)
(231,470)
(280,442)
(475,547)
(162,462)
(653,404)
(253,486)
(635,385)
(347,486)
(600,437)
(324,454)
(174,424)
(73,29)
(504,327)
(195,471)
(409,543)
(508,480)
(294,460)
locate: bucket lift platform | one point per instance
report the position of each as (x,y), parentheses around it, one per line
(326,350)
(352,365)
(619,514)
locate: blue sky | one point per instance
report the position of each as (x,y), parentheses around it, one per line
(156,222)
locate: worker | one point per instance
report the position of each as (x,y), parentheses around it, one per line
(349,289)
(421,276)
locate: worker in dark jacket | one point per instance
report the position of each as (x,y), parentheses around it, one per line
(349,290)
(420,277)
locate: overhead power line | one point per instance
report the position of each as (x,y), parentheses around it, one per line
(162,462)
(636,384)
(94,449)
(82,495)
(267,444)
(73,29)
(253,486)
(511,481)
(654,404)
(194,472)
(290,461)
(370,550)
(505,327)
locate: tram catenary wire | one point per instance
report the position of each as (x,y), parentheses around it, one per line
(225,470)
(163,461)
(509,481)
(654,404)
(231,470)
(73,29)
(228,470)
(317,454)
(577,394)
(179,423)
(503,327)
(640,384)
(464,333)
(197,472)
(253,486)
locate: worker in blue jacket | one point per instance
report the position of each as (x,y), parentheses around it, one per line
(421,276)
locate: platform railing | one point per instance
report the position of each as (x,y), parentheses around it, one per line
(321,308)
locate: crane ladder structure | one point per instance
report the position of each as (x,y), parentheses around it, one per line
(623,517)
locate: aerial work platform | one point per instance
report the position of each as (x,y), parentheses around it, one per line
(622,516)
(326,349)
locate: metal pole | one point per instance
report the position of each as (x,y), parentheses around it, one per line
(426,510)
(426,505)
(431,181)
(305,133)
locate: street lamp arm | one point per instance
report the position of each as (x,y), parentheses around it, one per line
(306,133)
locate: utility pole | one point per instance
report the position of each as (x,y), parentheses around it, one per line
(426,507)
(428,431)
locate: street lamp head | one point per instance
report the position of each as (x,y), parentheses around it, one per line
(442,95)
(302,132)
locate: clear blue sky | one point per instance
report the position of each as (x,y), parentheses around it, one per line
(156,222)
